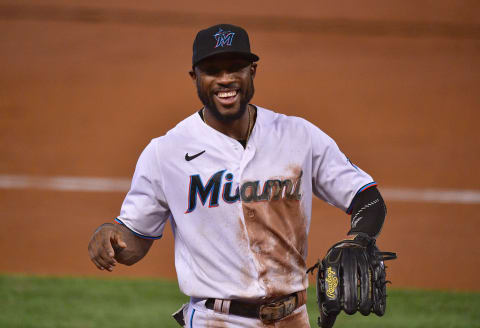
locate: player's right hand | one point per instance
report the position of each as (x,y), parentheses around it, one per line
(106,241)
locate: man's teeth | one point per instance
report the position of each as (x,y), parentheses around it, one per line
(227,94)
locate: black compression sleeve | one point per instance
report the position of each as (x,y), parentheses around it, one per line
(368,212)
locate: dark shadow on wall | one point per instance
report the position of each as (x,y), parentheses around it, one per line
(338,26)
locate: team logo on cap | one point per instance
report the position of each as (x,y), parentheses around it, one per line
(224,38)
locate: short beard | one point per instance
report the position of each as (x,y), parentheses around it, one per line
(210,104)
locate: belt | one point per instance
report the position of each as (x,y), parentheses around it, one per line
(273,310)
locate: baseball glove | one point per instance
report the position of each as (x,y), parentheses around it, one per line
(351,277)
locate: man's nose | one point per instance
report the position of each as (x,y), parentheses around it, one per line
(225,76)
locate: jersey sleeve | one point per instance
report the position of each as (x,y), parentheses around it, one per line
(335,179)
(145,210)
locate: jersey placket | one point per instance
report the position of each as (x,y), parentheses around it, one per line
(246,159)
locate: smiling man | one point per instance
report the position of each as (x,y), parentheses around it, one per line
(236,181)
(223,71)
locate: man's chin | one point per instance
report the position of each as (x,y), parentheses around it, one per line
(228,114)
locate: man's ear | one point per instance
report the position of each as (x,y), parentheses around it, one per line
(253,69)
(192,74)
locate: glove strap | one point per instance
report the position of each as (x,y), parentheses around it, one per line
(386,256)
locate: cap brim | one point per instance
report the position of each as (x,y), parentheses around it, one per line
(247,55)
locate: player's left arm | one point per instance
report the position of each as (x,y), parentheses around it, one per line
(368,211)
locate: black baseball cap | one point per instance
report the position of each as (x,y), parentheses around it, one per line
(222,38)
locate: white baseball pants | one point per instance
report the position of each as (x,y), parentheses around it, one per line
(198,316)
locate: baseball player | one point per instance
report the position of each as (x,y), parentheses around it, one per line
(236,180)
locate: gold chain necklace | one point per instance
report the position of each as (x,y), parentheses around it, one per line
(249,129)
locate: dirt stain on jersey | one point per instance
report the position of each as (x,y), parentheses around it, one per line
(246,277)
(216,323)
(278,238)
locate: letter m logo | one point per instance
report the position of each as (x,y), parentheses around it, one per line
(210,190)
(224,38)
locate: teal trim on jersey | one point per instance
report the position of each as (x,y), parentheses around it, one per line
(136,233)
(365,187)
(191,318)
(368,185)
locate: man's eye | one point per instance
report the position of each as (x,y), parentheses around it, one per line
(211,70)
(230,69)
(238,67)
(244,65)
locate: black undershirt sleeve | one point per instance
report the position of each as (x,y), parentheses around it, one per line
(368,212)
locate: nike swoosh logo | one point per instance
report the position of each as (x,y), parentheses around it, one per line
(189,158)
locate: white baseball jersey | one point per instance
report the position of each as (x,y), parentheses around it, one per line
(240,216)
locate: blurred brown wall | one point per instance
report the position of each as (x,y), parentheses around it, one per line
(84,86)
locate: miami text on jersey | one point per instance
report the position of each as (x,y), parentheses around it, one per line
(249,191)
